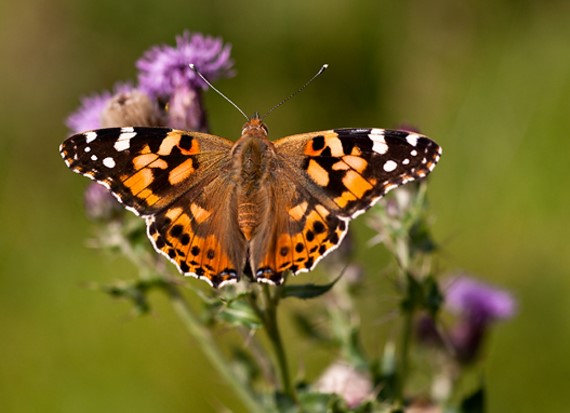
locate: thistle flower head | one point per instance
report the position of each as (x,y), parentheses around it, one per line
(88,115)
(131,108)
(164,69)
(99,203)
(478,301)
(478,305)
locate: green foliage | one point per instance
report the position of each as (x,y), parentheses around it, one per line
(307,291)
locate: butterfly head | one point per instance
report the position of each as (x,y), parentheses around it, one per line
(255,126)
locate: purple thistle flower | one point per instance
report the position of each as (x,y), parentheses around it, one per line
(100,204)
(164,69)
(164,73)
(479,304)
(88,115)
(478,301)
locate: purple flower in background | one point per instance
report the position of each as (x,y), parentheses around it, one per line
(479,305)
(100,204)
(478,301)
(164,73)
(88,115)
(163,70)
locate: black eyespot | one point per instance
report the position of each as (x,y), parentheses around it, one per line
(318,143)
(176,231)
(318,227)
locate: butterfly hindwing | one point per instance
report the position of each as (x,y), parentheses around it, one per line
(200,235)
(305,232)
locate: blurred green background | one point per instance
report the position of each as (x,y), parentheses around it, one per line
(489,80)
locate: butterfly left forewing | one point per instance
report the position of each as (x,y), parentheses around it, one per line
(145,168)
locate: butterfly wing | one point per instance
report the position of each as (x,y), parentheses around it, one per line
(171,178)
(147,169)
(300,231)
(200,234)
(337,175)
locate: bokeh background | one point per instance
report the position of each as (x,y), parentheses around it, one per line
(489,80)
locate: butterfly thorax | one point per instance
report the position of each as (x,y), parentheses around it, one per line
(252,154)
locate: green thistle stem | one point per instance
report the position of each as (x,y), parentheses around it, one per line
(272,328)
(403,355)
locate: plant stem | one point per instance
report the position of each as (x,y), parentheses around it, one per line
(209,347)
(407,309)
(403,356)
(272,328)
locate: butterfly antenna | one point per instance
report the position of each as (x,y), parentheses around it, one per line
(292,95)
(201,76)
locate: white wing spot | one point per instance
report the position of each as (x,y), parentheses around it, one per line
(377,136)
(127,129)
(109,162)
(414,153)
(87,149)
(389,166)
(124,140)
(405,161)
(90,136)
(412,139)
(424,161)
(94,157)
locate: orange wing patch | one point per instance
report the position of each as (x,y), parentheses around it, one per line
(173,235)
(313,233)
(181,140)
(328,141)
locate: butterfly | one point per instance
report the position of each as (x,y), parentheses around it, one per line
(220,210)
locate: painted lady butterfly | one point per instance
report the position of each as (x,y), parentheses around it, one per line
(219,209)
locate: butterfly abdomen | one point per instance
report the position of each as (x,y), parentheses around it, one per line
(253,156)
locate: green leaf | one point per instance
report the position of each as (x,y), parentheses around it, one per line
(284,403)
(433,298)
(310,329)
(306,291)
(136,291)
(354,350)
(474,403)
(313,402)
(239,312)
(420,238)
(245,366)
